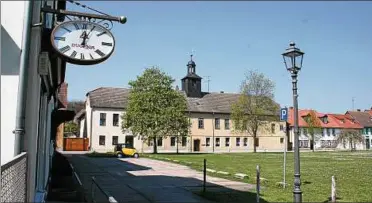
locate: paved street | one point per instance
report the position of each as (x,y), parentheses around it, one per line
(146,180)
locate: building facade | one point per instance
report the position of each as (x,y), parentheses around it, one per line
(209,114)
(30,83)
(328,128)
(365,120)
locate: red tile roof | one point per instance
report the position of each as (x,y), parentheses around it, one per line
(334,120)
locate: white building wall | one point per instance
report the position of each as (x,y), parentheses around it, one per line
(108,130)
(12,15)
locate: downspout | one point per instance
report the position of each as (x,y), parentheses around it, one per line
(19,131)
(213,125)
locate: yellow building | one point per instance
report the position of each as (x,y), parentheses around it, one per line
(209,113)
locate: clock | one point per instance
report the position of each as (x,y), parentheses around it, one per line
(82,42)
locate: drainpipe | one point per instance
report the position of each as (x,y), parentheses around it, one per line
(213,130)
(19,131)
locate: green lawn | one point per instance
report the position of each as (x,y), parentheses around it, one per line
(353,172)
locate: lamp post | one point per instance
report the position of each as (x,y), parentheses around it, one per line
(293,57)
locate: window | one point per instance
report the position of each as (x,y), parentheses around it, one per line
(115,140)
(305,131)
(102,119)
(323,132)
(184,141)
(200,123)
(173,141)
(328,132)
(281,127)
(304,143)
(245,141)
(115,119)
(273,128)
(217,142)
(238,141)
(102,140)
(227,142)
(160,142)
(217,123)
(150,142)
(207,141)
(333,131)
(281,140)
(227,124)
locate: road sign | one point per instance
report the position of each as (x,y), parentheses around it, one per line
(283,114)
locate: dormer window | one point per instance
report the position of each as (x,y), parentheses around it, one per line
(324,119)
(342,121)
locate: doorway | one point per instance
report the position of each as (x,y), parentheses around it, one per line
(196,145)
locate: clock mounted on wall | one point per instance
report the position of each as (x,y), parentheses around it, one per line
(82,42)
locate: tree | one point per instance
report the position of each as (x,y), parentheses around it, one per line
(255,107)
(351,136)
(154,109)
(314,127)
(70,127)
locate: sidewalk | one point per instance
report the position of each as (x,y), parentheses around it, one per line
(129,182)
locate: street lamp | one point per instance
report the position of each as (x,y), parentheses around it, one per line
(293,61)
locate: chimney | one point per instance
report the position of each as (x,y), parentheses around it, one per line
(358,110)
(62,95)
(177,88)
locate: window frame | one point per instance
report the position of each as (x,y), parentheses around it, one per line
(102,119)
(113,120)
(200,123)
(104,140)
(117,139)
(227,121)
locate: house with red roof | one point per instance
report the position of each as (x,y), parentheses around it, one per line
(329,126)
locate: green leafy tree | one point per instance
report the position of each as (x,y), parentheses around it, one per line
(314,127)
(155,110)
(350,136)
(255,107)
(70,127)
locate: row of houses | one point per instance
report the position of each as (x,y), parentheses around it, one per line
(211,127)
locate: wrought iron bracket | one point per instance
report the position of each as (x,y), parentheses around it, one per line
(121,19)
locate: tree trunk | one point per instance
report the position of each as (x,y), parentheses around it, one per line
(254,143)
(313,142)
(155,146)
(177,143)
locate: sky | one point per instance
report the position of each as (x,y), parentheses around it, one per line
(231,38)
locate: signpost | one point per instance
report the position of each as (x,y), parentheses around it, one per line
(284,117)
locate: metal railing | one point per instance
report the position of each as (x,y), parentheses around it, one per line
(77,181)
(14,179)
(102,196)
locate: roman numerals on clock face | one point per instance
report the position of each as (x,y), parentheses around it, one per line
(83,42)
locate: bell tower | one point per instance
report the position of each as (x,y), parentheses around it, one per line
(191,83)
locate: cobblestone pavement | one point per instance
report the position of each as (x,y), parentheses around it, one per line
(145,180)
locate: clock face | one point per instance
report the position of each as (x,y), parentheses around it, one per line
(82,42)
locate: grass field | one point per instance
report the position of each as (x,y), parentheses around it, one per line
(353,172)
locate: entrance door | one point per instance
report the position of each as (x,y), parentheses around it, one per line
(368,144)
(129,140)
(196,145)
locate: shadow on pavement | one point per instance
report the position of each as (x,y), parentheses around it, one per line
(133,183)
(63,186)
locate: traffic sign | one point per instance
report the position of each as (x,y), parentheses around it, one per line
(283,114)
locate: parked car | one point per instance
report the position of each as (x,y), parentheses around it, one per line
(125,149)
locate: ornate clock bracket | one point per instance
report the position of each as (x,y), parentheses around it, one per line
(96,18)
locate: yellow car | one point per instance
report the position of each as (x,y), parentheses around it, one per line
(122,150)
